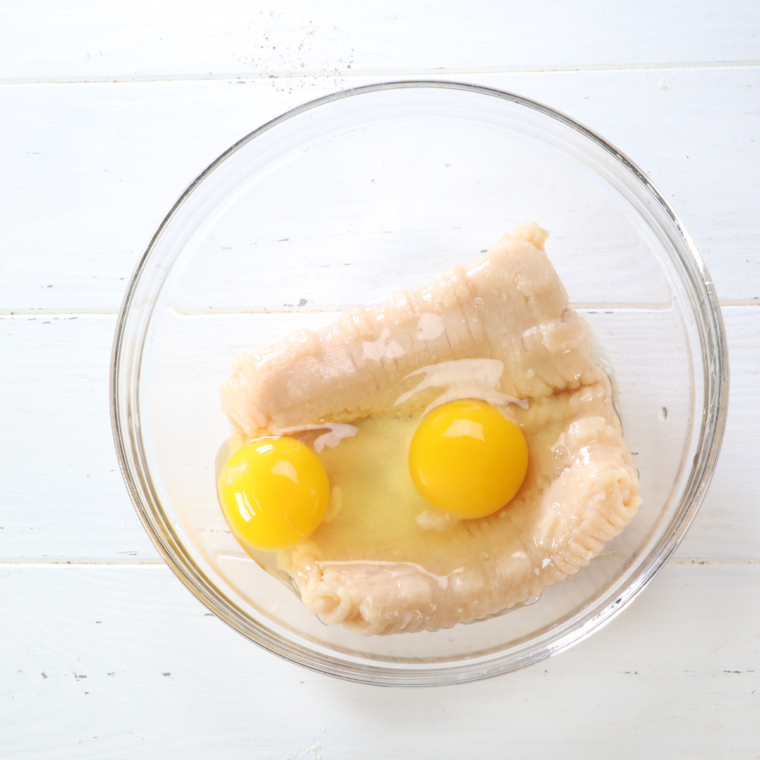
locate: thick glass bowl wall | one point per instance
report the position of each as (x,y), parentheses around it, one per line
(343,201)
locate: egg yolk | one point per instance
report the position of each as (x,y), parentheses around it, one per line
(273,492)
(468,459)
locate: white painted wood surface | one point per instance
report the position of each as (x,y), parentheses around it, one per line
(83,41)
(106,114)
(79,213)
(115,662)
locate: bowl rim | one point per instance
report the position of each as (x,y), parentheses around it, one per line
(716,383)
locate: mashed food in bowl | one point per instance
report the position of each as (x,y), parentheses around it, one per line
(435,460)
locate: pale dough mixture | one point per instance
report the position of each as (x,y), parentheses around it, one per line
(382,563)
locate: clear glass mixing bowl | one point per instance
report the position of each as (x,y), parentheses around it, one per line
(339,203)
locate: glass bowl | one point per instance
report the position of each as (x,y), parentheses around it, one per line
(339,203)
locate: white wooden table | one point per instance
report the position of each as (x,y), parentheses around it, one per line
(107,111)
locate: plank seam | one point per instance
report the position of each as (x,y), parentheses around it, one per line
(8,563)
(58,314)
(394,73)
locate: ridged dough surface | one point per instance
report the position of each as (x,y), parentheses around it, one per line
(582,486)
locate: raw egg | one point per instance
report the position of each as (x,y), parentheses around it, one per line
(468,459)
(273,492)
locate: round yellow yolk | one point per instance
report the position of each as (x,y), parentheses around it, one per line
(273,492)
(468,459)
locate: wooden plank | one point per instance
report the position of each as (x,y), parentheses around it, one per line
(79,40)
(130,149)
(63,495)
(123,662)
(183,447)
(730,511)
